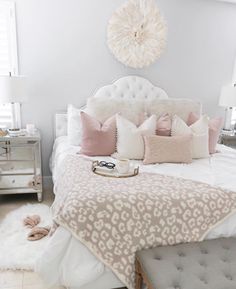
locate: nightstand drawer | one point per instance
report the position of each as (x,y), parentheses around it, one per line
(16,167)
(230,143)
(14,182)
(17,152)
(229,140)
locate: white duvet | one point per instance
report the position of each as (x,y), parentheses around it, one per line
(67,262)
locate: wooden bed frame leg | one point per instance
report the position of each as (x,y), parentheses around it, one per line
(138,276)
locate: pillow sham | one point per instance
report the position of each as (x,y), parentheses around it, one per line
(130,143)
(172,106)
(164,125)
(73,125)
(199,131)
(98,139)
(161,149)
(103,108)
(215,125)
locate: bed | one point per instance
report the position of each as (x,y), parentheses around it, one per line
(66,261)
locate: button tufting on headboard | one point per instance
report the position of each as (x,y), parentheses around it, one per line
(132,87)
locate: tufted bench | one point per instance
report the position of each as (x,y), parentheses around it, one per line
(204,265)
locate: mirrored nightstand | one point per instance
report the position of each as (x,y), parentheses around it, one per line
(20,165)
(228,140)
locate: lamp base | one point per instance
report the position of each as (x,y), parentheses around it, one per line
(228,119)
(16,117)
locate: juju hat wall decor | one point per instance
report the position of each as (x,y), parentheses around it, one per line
(137,33)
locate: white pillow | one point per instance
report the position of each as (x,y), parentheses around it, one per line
(200,132)
(74,125)
(130,142)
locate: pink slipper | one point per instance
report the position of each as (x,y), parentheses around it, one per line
(38,233)
(31,221)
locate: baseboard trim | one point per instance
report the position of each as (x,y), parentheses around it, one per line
(47,183)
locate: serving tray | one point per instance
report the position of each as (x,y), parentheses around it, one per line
(112,173)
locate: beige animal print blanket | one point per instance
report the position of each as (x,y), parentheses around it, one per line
(115,218)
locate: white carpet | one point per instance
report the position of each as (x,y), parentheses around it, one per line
(16,252)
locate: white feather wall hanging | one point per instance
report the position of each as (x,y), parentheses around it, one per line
(137,33)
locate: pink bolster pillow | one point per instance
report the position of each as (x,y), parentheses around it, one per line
(215,126)
(161,149)
(98,139)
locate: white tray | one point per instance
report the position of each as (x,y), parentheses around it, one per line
(113,173)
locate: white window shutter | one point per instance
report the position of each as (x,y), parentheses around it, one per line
(8,53)
(8,45)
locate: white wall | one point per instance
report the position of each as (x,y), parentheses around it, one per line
(62,49)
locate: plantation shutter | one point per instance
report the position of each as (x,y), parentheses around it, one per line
(8,53)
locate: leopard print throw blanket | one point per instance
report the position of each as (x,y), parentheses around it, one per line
(115,218)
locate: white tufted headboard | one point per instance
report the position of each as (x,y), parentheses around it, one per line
(130,95)
(129,87)
(60,124)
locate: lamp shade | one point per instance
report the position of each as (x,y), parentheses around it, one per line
(228,96)
(13,89)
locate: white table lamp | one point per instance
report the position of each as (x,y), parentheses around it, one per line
(13,90)
(228,100)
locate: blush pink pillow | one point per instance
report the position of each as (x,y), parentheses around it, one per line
(215,126)
(98,139)
(164,125)
(161,149)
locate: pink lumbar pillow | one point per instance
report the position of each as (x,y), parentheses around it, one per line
(215,126)
(98,139)
(164,125)
(161,149)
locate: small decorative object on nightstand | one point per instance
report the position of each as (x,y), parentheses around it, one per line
(20,165)
(228,140)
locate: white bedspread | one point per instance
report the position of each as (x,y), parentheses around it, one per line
(67,262)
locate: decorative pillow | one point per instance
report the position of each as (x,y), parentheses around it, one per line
(130,143)
(172,106)
(160,149)
(215,126)
(98,139)
(199,131)
(103,108)
(73,125)
(164,125)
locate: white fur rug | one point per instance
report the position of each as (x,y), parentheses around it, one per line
(16,252)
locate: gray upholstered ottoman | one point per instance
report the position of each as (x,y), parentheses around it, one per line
(205,265)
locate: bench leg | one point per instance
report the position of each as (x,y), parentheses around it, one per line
(138,276)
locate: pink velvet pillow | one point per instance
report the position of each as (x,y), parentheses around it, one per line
(161,149)
(215,126)
(164,125)
(98,139)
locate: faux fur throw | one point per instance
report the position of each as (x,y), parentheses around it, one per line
(115,218)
